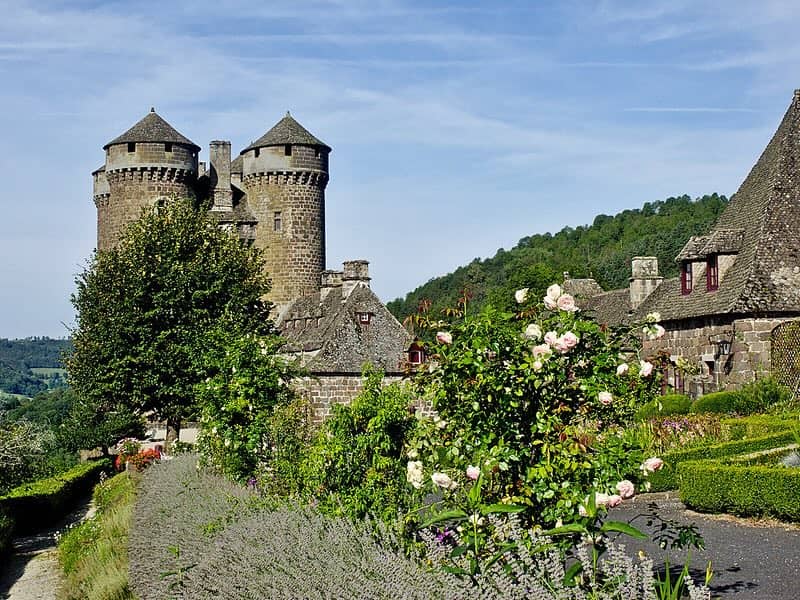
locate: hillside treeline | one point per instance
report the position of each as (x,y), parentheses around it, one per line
(602,250)
(18,357)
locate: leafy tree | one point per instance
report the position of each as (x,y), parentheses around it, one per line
(145,307)
(47,408)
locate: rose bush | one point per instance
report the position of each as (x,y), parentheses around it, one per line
(544,422)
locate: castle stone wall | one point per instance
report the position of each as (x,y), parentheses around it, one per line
(290,209)
(130,191)
(151,154)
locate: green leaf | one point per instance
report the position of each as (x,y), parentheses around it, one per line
(447,515)
(566,529)
(621,527)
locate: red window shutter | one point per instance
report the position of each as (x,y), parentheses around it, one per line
(712,273)
(686,278)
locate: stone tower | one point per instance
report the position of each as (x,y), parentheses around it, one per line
(148,163)
(284,174)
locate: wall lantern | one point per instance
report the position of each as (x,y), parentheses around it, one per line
(723,343)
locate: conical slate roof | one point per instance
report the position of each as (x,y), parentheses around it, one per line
(760,229)
(152,128)
(287,131)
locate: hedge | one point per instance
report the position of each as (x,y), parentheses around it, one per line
(711,486)
(671,404)
(739,428)
(43,502)
(667,478)
(716,402)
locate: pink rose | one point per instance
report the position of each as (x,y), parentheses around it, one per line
(473,472)
(570,339)
(566,303)
(652,465)
(600,500)
(444,337)
(645,368)
(542,350)
(613,500)
(561,345)
(443,481)
(550,338)
(605,398)
(537,365)
(550,303)
(622,369)
(533,332)
(626,489)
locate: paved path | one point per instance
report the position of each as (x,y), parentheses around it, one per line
(750,559)
(32,572)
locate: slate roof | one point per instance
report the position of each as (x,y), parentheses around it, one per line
(760,227)
(610,308)
(328,333)
(240,214)
(287,131)
(581,288)
(237,165)
(152,128)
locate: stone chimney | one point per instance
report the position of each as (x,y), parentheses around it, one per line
(330,280)
(355,274)
(219,173)
(644,278)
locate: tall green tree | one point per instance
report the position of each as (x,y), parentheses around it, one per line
(145,309)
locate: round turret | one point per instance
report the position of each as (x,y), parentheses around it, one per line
(284,174)
(150,162)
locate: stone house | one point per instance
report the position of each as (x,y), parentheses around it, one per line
(733,312)
(272,196)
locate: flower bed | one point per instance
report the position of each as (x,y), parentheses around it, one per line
(47,500)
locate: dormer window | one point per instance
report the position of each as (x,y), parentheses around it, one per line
(364,318)
(712,273)
(167,146)
(257,152)
(131,146)
(287,150)
(686,277)
(416,354)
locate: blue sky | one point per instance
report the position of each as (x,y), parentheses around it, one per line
(457,127)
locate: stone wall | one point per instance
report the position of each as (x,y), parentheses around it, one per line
(133,189)
(693,340)
(294,247)
(323,391)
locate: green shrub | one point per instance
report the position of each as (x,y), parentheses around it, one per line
(47,500)
(760,395)
(357,465)
(739,428)
(671,404)
(668,479)
(6,531)
(94,555)
(741,490)
(716,402)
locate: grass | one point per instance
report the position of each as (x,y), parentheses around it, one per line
(94,555)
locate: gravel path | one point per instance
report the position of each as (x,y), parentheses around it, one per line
(749,558)
(32,572)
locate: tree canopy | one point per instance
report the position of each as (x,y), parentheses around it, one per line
(602,250)
(146,309)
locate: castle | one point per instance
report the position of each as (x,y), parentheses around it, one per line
(272,196)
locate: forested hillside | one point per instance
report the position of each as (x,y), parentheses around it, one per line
(602,250)
(31,365)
